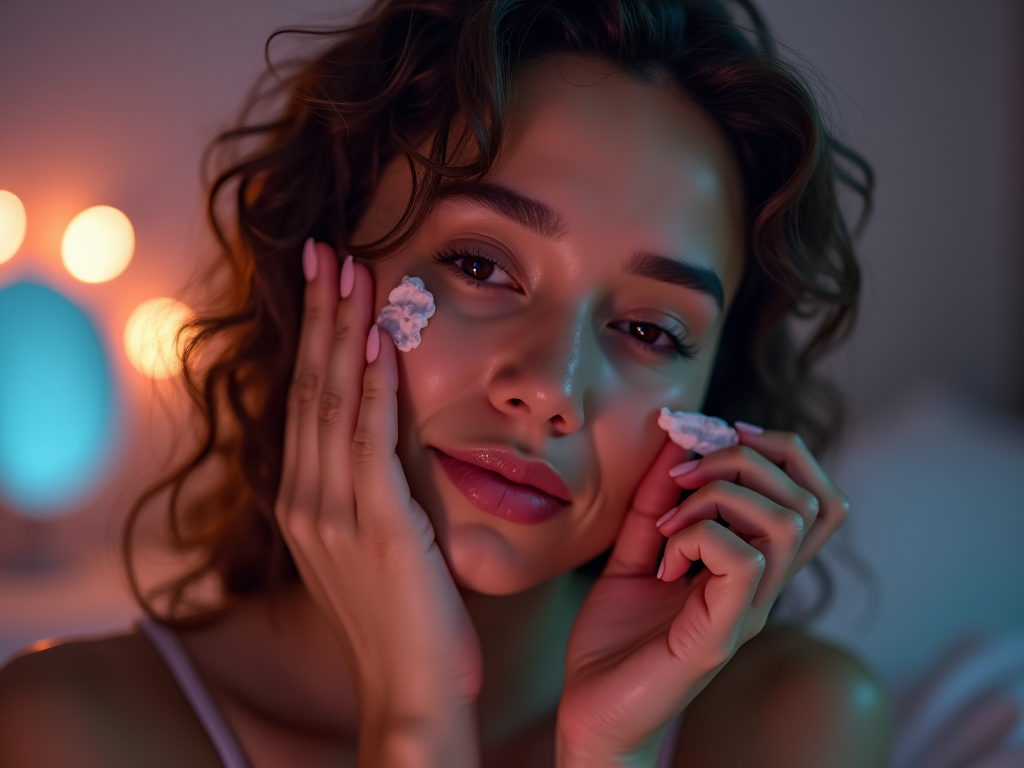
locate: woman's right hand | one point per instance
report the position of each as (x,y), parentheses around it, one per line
(364,547)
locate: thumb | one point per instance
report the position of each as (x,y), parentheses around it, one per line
(639,543)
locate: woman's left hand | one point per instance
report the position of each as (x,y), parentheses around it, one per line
(643,647)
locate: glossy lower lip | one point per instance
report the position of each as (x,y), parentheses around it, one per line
(490,492)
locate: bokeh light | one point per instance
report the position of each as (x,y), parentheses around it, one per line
(151,336)
(57,401)
(98,244)
(12,224)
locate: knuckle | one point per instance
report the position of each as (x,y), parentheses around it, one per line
(373,390)
(795,526)
(707,526)
(329,532)
(755,563)
(362,450)
(301,526)
(343,330)
(305,387)
(311,312)
(811,505)
(747,453)
(795,442)
(330,407)
(720,653)
(843,507)
(718,487)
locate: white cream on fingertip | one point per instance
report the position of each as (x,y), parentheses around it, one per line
(697,432)
(409,307)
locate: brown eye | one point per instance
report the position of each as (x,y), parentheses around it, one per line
(654,338)
(478,268)
(475,269)
(645,332)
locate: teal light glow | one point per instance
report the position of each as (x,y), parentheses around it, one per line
(57,404)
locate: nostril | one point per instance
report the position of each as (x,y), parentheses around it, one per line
(516,402)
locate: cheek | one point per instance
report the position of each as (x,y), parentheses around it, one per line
(626,441)
(446,364)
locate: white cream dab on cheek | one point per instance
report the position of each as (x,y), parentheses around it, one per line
(409,307)
(697,432)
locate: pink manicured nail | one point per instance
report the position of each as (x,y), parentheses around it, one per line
(661,568)
(748,429)
(681,469)
(348,277)
(372,344)
(666,517)
(309,260)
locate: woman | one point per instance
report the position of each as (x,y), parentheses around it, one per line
(467,553)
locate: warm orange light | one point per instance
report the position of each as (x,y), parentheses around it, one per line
(12,224)
(150,337)
(98,244)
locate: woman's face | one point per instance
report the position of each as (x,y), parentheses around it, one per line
(583,288)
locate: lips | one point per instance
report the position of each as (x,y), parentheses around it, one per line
(500,483)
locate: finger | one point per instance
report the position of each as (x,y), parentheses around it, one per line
(773,530)
(381,490)
(639,542)
(341,397)
(300,467)
(714,613)
(296,519)
(790,453)
(742,465)
(319,307)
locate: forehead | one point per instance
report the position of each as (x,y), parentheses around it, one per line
(628,166)
(636,165)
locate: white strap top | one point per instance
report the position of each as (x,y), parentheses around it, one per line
(180,665)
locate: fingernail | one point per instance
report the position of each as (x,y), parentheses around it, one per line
(348,277)
(309,260)
(748,429)
(666,517)
(681,469)
(661,568)
(372,344)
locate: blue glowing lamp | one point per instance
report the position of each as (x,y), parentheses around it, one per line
(57,402)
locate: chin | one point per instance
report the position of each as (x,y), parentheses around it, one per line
(482,560)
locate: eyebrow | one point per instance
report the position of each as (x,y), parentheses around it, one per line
(530,214)
(543,220)
(656,267)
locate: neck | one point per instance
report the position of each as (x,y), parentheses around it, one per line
(305,678)
(523,638)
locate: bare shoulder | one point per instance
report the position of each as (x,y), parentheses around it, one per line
(108,702)
(787,699)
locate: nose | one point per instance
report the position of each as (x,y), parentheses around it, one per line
(545,374)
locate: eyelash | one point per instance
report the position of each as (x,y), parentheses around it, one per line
(449,256)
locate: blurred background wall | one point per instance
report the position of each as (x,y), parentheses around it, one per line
(111,102)
(932,93)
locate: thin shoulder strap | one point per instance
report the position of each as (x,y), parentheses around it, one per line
(174,655)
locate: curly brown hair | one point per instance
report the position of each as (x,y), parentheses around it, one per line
(429,81)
